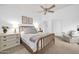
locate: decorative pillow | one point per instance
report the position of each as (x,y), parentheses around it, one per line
(71,33)
(30,30)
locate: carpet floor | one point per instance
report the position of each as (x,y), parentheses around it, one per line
(60,47)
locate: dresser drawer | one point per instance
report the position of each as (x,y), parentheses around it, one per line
(9,39)
(9,36)
(9,44)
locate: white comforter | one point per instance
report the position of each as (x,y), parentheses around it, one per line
(26,39)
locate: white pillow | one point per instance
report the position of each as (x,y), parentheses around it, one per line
(30,30)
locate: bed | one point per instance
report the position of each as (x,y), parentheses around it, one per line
(35,41)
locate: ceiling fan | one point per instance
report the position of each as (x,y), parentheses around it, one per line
(45,9)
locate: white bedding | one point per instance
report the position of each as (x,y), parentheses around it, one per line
(26,39)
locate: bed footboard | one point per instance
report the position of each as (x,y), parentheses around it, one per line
(44,41)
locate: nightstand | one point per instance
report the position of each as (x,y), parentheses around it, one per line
(9,40)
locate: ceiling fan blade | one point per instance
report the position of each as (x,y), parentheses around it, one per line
(42,7)
(52,6)
(51,11)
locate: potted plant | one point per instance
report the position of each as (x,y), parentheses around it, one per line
(5,28)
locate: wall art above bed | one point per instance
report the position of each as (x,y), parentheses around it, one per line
(27,20)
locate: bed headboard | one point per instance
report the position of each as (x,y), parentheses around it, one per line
(25,27)
(28,29)
(27,23)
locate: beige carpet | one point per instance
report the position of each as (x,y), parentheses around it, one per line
(60,47)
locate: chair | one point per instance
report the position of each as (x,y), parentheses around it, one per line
(68,36)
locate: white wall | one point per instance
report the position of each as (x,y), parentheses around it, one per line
(13,13)
(62,20)
(69,18)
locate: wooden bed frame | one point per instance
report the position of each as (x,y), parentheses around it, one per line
(45,41)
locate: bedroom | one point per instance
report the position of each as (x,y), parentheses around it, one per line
(64,19)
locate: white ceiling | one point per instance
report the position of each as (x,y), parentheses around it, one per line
(32,7)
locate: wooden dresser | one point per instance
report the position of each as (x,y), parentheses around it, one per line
(9,40)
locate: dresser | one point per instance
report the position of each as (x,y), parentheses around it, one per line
(9,40)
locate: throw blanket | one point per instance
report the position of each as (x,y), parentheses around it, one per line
(36,37)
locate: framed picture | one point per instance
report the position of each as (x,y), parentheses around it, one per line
(27,20)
